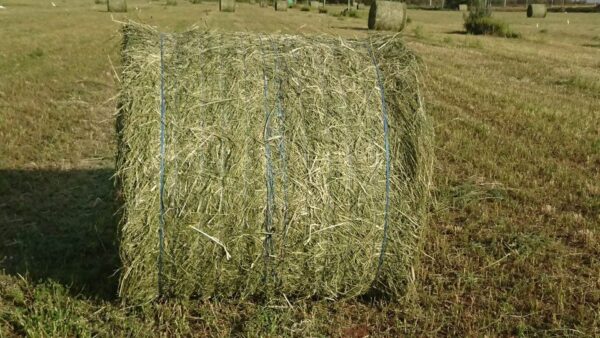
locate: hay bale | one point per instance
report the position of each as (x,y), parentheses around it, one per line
(273,183)
(463,7)
(281,5)
(227,5)
(536,11)
(387,15)
(117,5)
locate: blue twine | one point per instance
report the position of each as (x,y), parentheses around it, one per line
(269,175)
(387,160)
(282,154)
(161,228)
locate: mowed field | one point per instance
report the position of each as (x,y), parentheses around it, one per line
(513,244)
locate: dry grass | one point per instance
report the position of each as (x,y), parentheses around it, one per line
(513,246)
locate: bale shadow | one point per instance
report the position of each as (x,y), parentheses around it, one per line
(61,225)
(457,32)
(351,28)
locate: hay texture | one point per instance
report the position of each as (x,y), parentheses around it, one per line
(536,11)
(227,5)
(281,5)
(117,5)
(387,15)
(274,165)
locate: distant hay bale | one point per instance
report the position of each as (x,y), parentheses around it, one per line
(387,15)
(244,173)
(117,6)
(536,11)
(281,5)
(463,7)
(227,5)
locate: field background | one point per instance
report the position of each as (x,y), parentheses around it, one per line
(513,246)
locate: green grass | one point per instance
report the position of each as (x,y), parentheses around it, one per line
(488,26)
(513,246)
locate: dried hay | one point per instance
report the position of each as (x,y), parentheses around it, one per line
(117,6)
(227,5)
(281,5)
(275,166)
(536,11)
(387,15)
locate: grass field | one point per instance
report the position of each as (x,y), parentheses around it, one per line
(513,246)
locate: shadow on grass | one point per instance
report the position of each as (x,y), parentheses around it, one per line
(592,45)
(457,32)
(60,225)
(351,28)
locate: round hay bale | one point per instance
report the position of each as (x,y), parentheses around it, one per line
(387,15)
(227,5)
(536,11)
(117,6)
(463,7)
(281,5)
(245,173)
